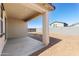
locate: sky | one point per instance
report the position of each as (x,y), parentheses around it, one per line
(64,12)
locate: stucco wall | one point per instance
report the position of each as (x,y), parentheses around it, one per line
(76,25)
(16,28)
(74,31)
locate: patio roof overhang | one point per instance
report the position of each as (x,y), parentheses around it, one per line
(26,11)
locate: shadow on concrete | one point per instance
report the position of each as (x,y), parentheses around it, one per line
(53,41)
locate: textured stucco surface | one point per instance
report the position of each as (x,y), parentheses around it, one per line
(16,28)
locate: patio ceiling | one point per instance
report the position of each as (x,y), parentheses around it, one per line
(25,11)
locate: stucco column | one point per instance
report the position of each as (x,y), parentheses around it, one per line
(45,29)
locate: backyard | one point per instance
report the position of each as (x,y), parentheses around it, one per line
(63,41)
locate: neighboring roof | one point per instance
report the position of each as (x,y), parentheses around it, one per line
(58,22)
(26,11)
(74,24)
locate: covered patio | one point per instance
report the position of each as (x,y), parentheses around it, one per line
(18,14)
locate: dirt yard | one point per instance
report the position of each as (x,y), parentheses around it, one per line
(68,46)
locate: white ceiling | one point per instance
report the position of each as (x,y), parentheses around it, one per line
(18,11)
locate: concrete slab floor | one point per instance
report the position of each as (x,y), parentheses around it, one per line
(21,46)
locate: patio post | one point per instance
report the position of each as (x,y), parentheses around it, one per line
(45,29)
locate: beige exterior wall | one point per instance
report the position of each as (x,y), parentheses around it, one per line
(16,28)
